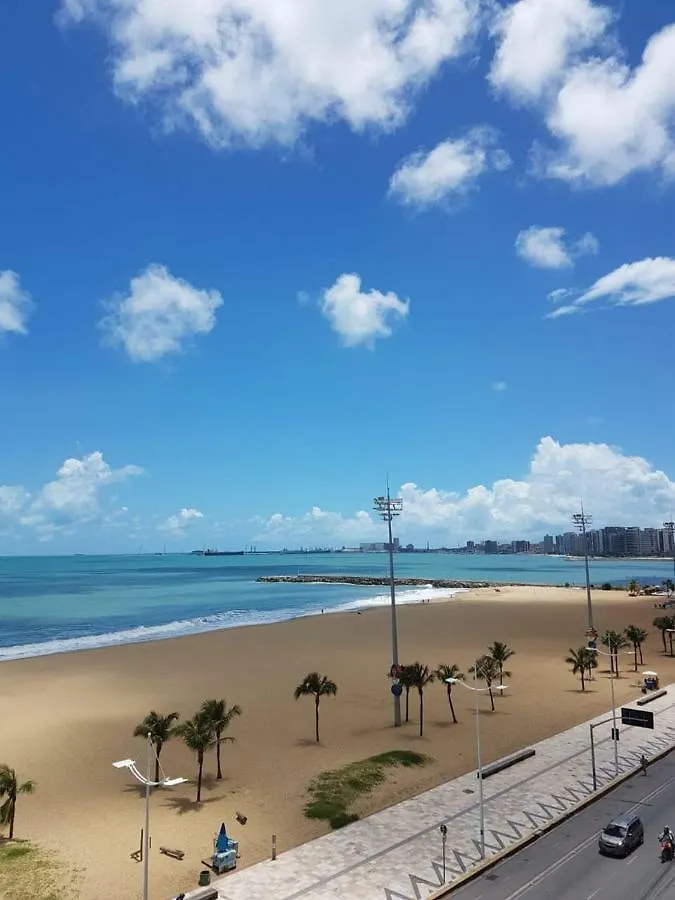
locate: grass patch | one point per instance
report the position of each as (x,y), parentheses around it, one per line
(334,792)
(28,871)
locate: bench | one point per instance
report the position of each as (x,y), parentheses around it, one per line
(650,697)
(174,854)
(507,761)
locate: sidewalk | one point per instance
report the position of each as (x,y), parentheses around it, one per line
(397,854)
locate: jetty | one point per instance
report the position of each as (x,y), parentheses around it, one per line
(373,581)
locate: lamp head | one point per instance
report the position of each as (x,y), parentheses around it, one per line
(172,782)
(124,763)
(451,680)
(499,687)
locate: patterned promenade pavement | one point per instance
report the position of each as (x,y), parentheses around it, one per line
(397,854)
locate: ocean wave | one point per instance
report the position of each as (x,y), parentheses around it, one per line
(200,624)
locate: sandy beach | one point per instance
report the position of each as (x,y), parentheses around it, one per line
(67,717)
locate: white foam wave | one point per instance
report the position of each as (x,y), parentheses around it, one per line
(417,595)
(201,624)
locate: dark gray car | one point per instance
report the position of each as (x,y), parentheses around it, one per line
(623,834)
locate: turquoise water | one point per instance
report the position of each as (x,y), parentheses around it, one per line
(58,604)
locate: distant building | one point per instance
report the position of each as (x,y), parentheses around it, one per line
(491,547)
(548,545)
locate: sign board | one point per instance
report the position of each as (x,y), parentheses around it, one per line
(640,718)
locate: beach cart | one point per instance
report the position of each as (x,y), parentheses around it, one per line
(650,681)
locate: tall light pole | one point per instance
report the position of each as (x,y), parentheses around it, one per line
(581,520)
(479,761)
(388,508)
(670,529)
(147,780)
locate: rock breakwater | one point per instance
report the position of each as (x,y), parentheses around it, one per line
(373,581)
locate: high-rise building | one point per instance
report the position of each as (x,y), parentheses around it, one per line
(548,546)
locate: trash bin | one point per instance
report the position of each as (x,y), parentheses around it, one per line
(204,878)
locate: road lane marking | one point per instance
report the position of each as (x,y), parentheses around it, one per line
(590,896)
(575,851)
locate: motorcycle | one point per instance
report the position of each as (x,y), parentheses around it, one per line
(667,850)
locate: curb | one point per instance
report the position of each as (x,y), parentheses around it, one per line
(493,861)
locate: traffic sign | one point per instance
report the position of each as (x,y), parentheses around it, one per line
(640,718)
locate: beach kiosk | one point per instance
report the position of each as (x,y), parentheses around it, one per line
(650,681)
(225,852)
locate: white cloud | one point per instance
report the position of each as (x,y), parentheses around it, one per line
(262,70)
(160,315)
(608,120)
(546,248)
(15,304)
(499,386)
(633,284)
(617,489)
(451,168)
(536,39)
(176,525)
(71,499)
(359,317)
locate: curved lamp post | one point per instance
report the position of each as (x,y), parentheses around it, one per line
(479,763)
(148,782)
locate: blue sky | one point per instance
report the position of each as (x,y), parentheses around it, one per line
(247,269)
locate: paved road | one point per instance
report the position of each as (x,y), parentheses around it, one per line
(565,863)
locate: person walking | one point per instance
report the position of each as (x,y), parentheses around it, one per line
(643,764)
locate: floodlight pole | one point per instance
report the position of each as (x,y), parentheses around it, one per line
(581,520)
(670,528)
(387,508)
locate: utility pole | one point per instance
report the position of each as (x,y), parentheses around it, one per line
(388,508)
(581,521)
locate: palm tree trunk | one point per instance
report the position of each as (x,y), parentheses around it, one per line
(316,723)
(200,760)
(452,708)
(501,673)
(583,683)
(640,651)
(670,639)
(492,699)
(616,662)
(635,652)
(12,813)
(663,638)
(219,773)
(407,701)
(158,750)
(421,713)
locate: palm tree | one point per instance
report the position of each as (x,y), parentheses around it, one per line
(487,670)
(405,680)
(663,623)
(199,735)
(582,661)
(637,637)
(317,686)
(160,729)
(10,789)
(220,717)
(614,641)
(443,672)
(420,676)
(501,653)
(633,588)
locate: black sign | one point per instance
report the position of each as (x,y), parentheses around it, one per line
(615,734)
(640,718)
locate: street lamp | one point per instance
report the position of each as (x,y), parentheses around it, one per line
(388,508)
(670,529)
(581,520)
(615,733)
(479,763)
(148,782)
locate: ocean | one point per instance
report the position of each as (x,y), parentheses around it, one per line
(64,603)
